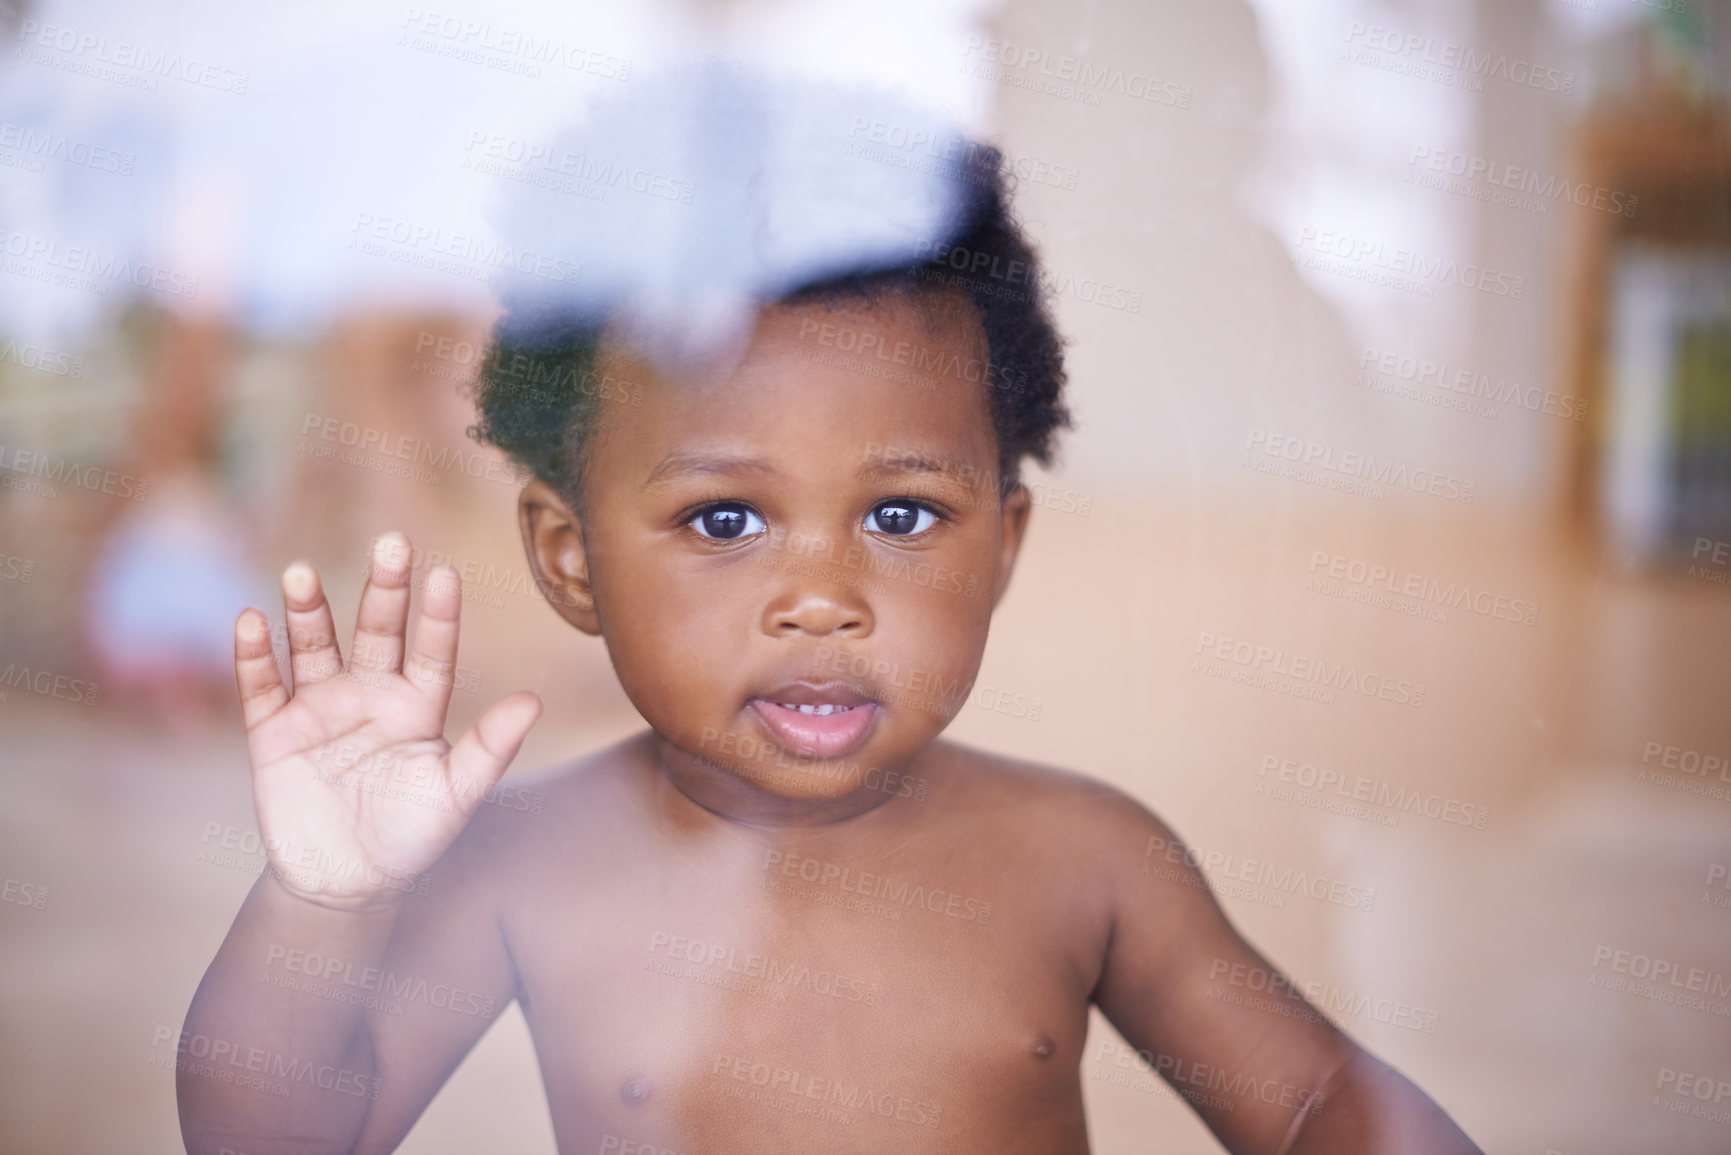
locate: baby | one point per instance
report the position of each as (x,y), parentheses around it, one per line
(788,916)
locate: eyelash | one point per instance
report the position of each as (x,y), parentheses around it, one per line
(687,518)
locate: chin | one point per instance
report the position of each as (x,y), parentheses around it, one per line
(798,786)
(789,775)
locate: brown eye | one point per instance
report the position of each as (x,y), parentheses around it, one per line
(900,518)
(727,522)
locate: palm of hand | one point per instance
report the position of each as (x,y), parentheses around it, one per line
(358,793)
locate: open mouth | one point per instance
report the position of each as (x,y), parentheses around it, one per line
(823,710)
(816,721)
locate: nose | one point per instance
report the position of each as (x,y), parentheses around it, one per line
(817,613)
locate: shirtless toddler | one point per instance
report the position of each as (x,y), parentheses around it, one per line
(788,916)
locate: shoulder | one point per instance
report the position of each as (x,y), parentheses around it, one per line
(1086,854)
(994,777)
(1079,817)
(1106,854)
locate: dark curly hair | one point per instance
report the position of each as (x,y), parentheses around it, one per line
(539,395)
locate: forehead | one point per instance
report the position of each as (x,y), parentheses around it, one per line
(828,380)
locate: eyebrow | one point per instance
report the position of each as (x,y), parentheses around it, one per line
(915,464)
(677,465)
(905,463)
(704,465)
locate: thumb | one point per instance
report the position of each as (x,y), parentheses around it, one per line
(480,757)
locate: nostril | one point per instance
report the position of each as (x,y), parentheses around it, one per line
(818,617)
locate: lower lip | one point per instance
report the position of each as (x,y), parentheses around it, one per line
(815,736)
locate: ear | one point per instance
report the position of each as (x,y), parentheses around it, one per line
(1013,513)
(553,540)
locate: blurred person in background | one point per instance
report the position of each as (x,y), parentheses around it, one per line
(171,571)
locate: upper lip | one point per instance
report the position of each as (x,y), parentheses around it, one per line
(816,694)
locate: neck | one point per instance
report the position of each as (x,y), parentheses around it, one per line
(724,791)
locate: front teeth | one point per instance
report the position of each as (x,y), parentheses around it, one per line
(816,711)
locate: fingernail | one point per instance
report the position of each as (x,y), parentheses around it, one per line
(300,581)
(392,549)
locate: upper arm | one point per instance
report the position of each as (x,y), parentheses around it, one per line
(1248,1067)
(447,975)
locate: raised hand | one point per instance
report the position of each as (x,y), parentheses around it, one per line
(357,791)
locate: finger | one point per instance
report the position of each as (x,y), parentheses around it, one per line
(480,757)
(384,612)
(255,670)
(313,653)
(432,664)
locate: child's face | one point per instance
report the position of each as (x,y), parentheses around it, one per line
(794,562)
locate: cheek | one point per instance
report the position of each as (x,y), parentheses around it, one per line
(666,632)
(927,622)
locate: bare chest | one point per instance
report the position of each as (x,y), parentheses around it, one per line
(795,1002)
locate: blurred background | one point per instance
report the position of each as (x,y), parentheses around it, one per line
(1400,339)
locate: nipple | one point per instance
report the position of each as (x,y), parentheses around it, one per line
(1044,1047)
(635,1090)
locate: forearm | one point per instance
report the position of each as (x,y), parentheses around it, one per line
(1370,1107)
(263,1065)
